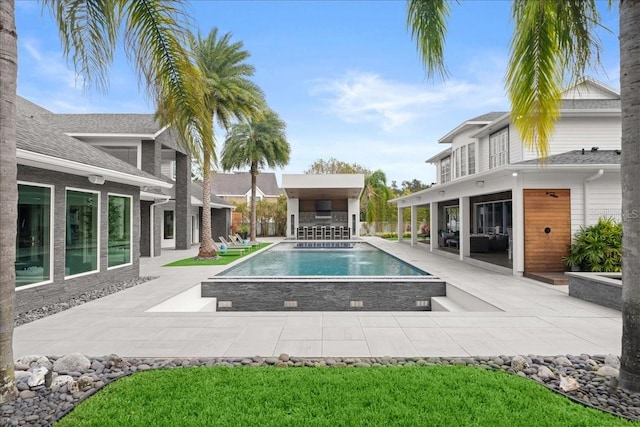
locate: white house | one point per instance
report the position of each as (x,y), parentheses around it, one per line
(496,201)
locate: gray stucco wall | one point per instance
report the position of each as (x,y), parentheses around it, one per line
(61,289)
(593,287)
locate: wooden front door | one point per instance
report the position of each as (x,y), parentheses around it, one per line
(547,229)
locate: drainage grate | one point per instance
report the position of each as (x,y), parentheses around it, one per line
(224,304)
(356,304)
(291,303)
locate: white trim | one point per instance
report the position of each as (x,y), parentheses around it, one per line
(43,161)
(157,134)
(85,273)
(111,135)
(51,234)
(127,196)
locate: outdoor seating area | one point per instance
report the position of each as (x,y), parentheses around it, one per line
(323,233)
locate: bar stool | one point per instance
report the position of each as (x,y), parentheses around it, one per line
(307,233)
(346,233)
(317,233)
(326,233)
(332,232)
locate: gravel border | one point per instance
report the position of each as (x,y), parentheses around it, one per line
(595,379)
(83,298)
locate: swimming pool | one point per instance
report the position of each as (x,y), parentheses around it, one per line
(323,259)
(327,276)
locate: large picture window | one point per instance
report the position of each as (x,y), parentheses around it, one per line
(493,217)
(119,231)
(33,237)
(81,249)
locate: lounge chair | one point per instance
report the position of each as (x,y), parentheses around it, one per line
(229,249)
(232,244)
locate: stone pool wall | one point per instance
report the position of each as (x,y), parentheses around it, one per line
(383,294)
(600,288)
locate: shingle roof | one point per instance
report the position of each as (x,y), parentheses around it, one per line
(196,191)
(36,133)
(488,117)
(239,183)
(107,123)
(590,104)
(577,157)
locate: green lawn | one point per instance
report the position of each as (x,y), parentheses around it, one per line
(408,396)
(225,258)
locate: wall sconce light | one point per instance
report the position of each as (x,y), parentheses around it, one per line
(96,179)
(479,184)
(514,174)
(441,193)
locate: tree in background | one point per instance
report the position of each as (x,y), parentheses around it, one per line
(554,41)
(257,143)
(269,212)
(334,166)
(229,95)
(154,35)
(375,199)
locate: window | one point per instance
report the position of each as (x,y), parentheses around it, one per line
(471,153)
(499,148)
(445,169)
(125,153)
(463,160)
(119,231)
(451,218)
(33,237)
(81,248)
(168,225)
(493,217)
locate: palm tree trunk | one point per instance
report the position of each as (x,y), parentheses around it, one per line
(8,195)
(206,243)
(254,184)
(630,173)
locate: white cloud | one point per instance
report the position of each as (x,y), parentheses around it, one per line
(365,97)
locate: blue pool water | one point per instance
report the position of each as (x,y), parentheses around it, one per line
(312,259)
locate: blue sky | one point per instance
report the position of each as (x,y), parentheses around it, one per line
(344,75)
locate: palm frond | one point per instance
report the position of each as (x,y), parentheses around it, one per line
(156,33)
(427,21)
(552,41)
(88,31)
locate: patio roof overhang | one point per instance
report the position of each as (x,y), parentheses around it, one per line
(327,186)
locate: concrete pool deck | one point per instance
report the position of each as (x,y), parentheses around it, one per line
(536,318)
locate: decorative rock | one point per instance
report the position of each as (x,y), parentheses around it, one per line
(21,374)
(61,380)
(612,360)
(144,367)
(37,376)
(27,394)
(115,361)
(284,357)
(562,361)
(568,383)
(20,367)
(39,361)
(608,371)
(270,360)
(84,382)
(72,362)
(545,373)
(519,363)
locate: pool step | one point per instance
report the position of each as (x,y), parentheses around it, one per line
(445,304)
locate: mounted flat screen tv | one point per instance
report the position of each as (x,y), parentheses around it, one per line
(323,205)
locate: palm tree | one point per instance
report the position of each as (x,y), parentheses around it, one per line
(154,33)
(375,197)
(229,95)
(553,40)
(258,143)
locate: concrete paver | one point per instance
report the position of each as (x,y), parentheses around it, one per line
(534,318)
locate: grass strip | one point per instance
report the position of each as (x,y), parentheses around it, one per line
(224,259)
(408,396)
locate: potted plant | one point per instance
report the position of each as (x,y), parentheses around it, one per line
(597,248)
(243,231)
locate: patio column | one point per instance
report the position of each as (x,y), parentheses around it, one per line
(517,225)
(465,227)
(414,225)
(399,224)
(435,232)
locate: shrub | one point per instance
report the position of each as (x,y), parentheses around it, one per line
(597,248)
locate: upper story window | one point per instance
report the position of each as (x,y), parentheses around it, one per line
(445,170)
(499,148)
(471,158)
